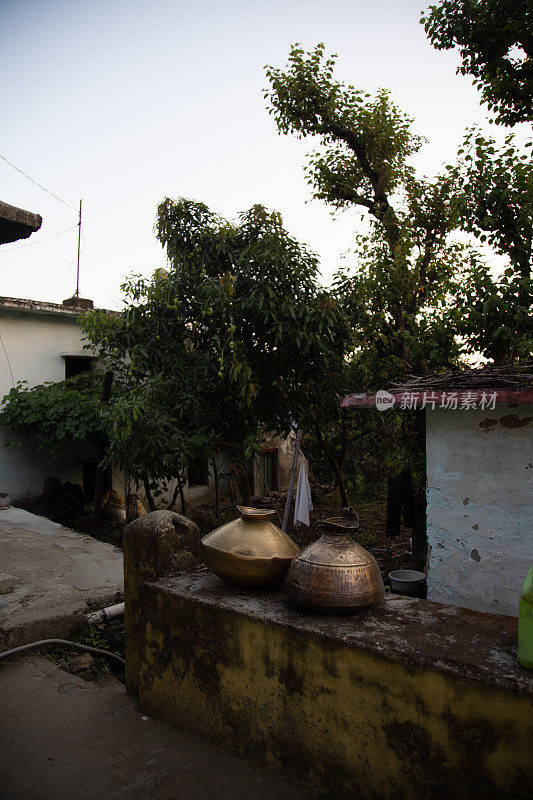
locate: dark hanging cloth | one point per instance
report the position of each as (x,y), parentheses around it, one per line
(394,507)
(419,534)
(400,503)
(408,508)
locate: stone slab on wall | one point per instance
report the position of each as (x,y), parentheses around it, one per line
(479,506)
(406,699)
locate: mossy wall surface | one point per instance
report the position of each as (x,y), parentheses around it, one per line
(335,716)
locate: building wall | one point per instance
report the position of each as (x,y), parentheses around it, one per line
(285,455)
(24,469)
(479,507)
(32,347)
(388,705)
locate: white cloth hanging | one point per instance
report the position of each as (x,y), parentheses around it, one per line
(303,503)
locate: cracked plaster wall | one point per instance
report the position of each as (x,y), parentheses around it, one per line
(479,507)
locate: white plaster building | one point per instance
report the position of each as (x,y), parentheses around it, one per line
(479,506)
(39,342)
(42,342)
(479,471)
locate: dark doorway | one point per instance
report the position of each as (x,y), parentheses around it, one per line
(76,365)
(198,472)
(89,470)
(269,468)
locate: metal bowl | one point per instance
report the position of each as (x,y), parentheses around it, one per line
(407,581)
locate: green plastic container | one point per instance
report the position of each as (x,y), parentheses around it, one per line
(525,622)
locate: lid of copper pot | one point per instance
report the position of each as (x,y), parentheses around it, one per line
(256,514)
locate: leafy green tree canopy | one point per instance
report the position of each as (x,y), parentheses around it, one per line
(406,262)
(487,311)
(367,141)
(494,189)
(495,186)
(237,331)
(54,412)
(495,41)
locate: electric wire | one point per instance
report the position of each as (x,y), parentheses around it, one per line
(37,183)
(44,239)
(8,361)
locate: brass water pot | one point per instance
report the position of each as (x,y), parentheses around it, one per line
(250,551)
(335,573)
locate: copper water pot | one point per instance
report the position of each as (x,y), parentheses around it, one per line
(250,551)
(335,573)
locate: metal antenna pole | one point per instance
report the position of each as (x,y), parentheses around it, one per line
(78,268)
(291,480)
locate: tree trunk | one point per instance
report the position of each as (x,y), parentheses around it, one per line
(243,483)
(100,471)
(268,490)
(148,493)
(182,495)
(178,490)
(174,497)
(338,472)
(344,442)
(217,488)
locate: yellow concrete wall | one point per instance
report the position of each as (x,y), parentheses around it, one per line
(330,715)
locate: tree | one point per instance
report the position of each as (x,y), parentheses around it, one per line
(495,40)
(367,142)
(230,343)
(487,311)
(224,346)
(495,189)
(153,422)
(406,263)
(275,332)
(494,186)
(398,297)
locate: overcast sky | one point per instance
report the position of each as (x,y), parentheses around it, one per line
(125,103)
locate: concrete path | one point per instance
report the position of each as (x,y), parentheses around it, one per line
(62,738)
(48,575)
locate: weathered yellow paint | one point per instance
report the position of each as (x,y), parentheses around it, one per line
(157,544)
(332,715)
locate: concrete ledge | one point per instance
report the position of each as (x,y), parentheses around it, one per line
(413,632)
(55,573)
(407,699)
